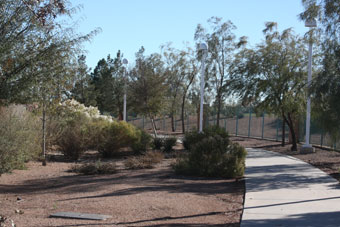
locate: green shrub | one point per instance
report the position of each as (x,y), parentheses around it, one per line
(194,137)
(213,156)
(115,136)
(146,161)
(20,138)
(95,168)
(158,143)
(169,143)
(142,143)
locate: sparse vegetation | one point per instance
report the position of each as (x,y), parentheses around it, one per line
(146,161)
(19,138)
(97,167)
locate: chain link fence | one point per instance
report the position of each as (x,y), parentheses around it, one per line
(246,124)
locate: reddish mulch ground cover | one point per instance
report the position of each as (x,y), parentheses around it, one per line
(149,197)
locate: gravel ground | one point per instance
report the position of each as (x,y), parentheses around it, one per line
(151,197)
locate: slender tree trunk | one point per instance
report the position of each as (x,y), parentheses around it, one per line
(292,131)
(172,122)
(283,142)
(153,126)
(218,110)
(44,133)
(182,113)
(120,115)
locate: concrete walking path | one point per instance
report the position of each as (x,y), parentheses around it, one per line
(285,191)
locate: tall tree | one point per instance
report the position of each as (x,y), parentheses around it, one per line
(108,79)
(29,34)
(83,90)
(326,85)
(222,46)
(173,60)
(272,75)
(147,86)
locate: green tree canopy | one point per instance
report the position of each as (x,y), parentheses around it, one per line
(272,76)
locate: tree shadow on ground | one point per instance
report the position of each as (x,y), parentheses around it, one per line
(285,176)
(166,218)
(139,181)
(325,219)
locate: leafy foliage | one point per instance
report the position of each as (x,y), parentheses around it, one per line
(142,143)
(191,138)
(212,155)
(19,138)
(115,136)
(272,76)
(222,45)
(158,143)
(169,142)
(325,87)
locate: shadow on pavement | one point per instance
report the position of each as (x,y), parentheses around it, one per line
(326,219)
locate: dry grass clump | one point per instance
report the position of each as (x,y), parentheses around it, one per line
(95,168)
(146,161)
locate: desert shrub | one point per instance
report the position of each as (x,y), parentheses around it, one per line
(169,143)
(158,143)
(20,138)
(194,137)
(74,137)
(142,143)
(146,161)
(95,168)
(115,136)
(213,156)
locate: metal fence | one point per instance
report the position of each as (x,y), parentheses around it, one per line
(247,124)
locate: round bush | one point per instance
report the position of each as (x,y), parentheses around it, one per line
(142,143)
(115,136)
(169,143)
(158,143)
(214,156)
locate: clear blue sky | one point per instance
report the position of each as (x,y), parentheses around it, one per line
(129,24)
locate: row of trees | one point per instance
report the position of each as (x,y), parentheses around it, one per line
(39,63)
(270,76)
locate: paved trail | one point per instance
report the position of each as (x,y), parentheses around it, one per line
(284,191)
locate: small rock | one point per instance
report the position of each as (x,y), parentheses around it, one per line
(19,211)
(19,198)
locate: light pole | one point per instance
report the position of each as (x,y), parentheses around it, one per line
(307,146)
(125,62)
(203,47)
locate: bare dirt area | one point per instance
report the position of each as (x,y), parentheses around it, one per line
(324,159)
(148,197)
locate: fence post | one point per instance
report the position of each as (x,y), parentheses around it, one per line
(249,122)
(236,123)
(277,129)
(321,142)
(262,125)
(225,124)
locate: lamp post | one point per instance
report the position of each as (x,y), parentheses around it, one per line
(307,146)
(125,62)
(203,47)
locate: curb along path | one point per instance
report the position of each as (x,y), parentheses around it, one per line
(284,191)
